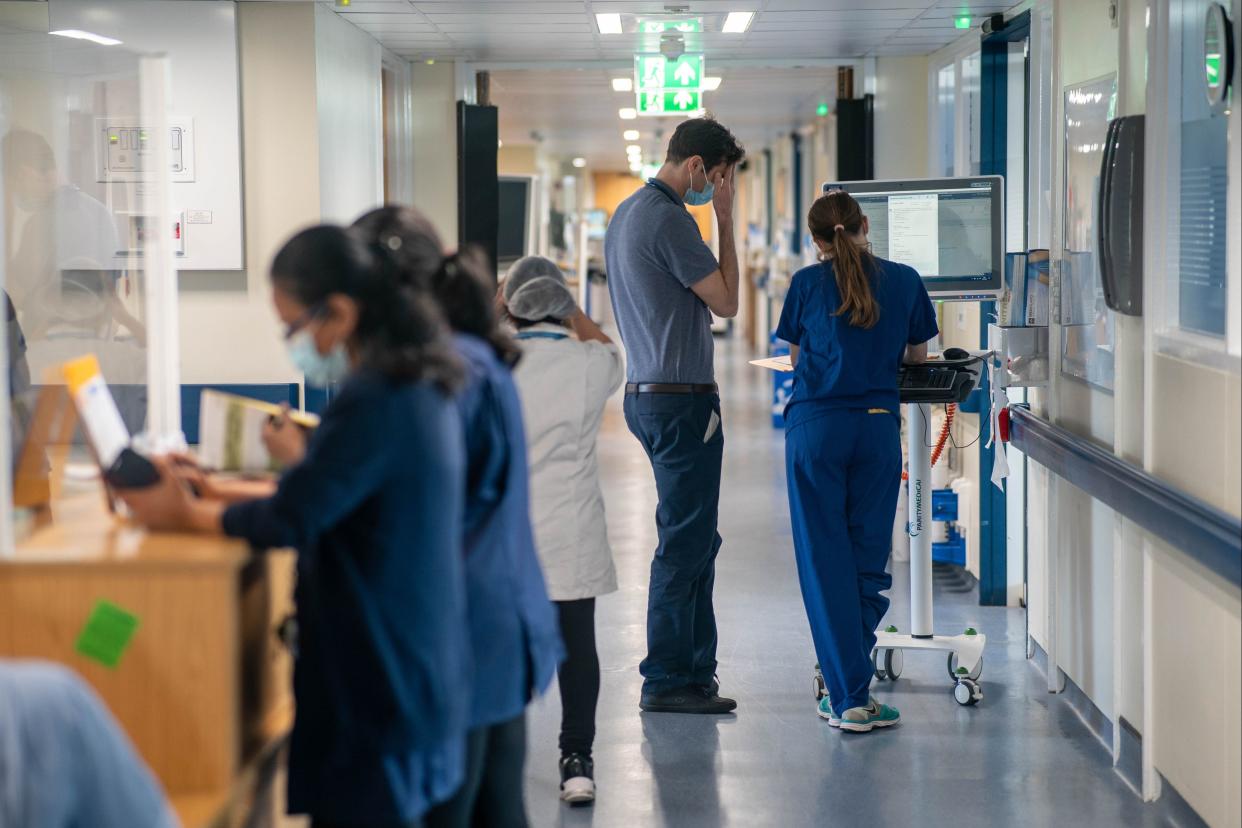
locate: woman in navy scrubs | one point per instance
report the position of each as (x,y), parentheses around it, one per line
(850,321)
(513,626)
(374,509)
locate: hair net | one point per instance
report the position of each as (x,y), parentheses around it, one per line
(535,289)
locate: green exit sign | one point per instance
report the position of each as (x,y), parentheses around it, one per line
(691,26)
(654,71)
(669,102)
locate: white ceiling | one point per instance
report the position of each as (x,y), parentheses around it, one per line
(774,74)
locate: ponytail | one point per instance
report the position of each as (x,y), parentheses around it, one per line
(468,298)
(836,219)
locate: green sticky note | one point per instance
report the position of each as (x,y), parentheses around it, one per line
(107,633)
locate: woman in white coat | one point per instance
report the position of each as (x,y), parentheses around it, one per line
(568,370)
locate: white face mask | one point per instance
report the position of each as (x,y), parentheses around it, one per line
(698,198)
(321,370)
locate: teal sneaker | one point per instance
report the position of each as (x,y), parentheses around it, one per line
(864,719)
(825,712)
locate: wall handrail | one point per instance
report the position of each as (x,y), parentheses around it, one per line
(1199,530)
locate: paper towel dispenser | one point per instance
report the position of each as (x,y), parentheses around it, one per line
(1120,219)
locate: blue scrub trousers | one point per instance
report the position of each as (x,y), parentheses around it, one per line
(684,439)
(843,469)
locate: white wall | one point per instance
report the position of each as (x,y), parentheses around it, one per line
(435,146)
(901,121)
(229,333)
(1136,620)
(347,76)
(200,40)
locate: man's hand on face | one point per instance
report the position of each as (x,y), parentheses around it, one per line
(722,199)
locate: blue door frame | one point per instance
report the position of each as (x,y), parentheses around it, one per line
(994,160)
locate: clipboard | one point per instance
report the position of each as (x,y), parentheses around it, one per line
(780,364)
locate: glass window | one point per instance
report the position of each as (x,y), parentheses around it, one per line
(972,100)
(1204,185)
(1191,305)
(946,104)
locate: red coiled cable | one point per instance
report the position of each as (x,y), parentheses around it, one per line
(949,411)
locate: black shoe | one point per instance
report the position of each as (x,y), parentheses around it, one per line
(577,779)
(687,700)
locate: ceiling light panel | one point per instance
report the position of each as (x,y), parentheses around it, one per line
(608,23)
(737,22)
(623,84)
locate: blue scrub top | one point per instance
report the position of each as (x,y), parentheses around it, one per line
(843,366)
(382,670)
(514,631)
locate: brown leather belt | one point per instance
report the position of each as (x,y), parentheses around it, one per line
(670,388)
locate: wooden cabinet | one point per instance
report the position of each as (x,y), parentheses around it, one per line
(204,686)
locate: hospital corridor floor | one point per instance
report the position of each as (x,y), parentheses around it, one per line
(1018,758)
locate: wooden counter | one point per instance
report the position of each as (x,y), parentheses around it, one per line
(204,688)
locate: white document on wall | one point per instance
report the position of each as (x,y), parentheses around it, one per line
(914,231)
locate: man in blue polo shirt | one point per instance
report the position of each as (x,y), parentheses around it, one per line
(665,284)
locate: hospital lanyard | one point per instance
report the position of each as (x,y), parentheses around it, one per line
(542,335)
(665,190)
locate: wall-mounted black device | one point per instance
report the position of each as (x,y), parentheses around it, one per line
(1119,225)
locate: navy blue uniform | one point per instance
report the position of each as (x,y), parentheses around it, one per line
(381,678)
(513,627)
(514,633)
(843,459)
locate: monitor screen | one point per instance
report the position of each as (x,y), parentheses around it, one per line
(514,220)
(950,230)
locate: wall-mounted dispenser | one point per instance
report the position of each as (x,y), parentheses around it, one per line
(1120,219)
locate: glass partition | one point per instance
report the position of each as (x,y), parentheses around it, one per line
(1087,325)
(80,204)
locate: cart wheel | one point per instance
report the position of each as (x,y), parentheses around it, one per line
(821,690)
(967,692)
(955,671)
(892,663)
(877,664)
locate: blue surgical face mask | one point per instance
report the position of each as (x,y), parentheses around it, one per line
(321,370)
(698,198)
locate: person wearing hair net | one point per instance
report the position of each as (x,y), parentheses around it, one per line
(568,370)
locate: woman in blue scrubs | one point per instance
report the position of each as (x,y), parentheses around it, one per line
(374,509)
(513,626)
(850,321)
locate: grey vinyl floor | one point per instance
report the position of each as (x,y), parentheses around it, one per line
(1019,758)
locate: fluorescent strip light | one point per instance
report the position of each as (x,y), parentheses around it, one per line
(608,22)
(78,34)
(622,84)
(636,166)
(711,84)
(627,113)
(579,162)
(633,149)
(630,135)
(737,22)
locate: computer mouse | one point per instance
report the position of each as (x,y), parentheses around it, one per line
(955,354)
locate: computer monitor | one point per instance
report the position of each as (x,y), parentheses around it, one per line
(951,230)
(516,228)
